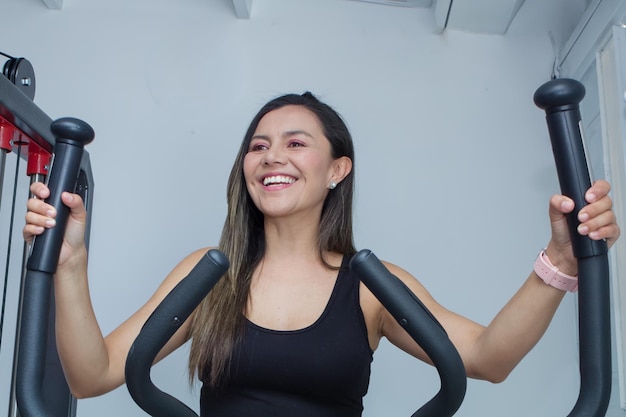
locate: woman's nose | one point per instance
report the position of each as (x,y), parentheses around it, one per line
(274,155)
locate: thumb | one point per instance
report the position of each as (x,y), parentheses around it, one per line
(560,206)
(75,203)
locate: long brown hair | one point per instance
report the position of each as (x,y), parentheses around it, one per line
(218,322)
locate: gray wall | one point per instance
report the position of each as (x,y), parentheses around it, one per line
(453,162)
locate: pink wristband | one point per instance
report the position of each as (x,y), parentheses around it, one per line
(552,276)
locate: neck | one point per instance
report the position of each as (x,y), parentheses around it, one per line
(291,238)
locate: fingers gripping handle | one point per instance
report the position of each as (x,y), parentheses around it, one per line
(560,98)
(422,326)
(71,137)
(160,327)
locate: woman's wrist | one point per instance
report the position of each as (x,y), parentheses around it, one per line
(554,276)
(75,264)
(565,262)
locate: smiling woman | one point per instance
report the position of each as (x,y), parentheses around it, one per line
(300,138)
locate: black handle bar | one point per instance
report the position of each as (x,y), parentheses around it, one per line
(560,98)
(422,326)
(71,137)
(160,327)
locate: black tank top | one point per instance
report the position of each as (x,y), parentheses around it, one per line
(320,371)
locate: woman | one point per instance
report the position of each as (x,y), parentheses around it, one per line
(289,328)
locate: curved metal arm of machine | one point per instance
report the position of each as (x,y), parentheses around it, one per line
(169,315)
(560,98)
(71,137)
(422,326)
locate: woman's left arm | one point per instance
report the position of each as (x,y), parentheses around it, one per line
(493,351)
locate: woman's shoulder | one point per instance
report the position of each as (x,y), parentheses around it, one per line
(198,253)
(187,263)
(397,270)
(406,277)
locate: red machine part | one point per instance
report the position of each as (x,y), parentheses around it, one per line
(7,132)
(38,159)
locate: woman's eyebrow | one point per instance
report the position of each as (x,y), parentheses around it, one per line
(286,134)
(264,137)
(297,132)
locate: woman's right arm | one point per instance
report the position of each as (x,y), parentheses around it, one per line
(93,364)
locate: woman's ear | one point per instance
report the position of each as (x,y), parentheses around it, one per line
(341,168)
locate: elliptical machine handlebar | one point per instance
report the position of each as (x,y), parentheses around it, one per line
(422,326)
(71,137)
(169,315)
(560,99)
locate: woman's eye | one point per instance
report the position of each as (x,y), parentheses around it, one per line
(296,144)
(258,147)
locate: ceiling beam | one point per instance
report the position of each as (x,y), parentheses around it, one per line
(242,8)
(442,13)
(402,3)
(485,16)
(54,4)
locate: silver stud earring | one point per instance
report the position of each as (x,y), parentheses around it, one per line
(332,185)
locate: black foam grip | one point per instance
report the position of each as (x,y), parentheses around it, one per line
(560,99)
(32,345)
(72,135)
(422,326)
(166,319)
(594,326)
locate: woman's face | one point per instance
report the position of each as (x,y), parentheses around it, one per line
(289,166)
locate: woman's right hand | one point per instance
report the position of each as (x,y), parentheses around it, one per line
(41,216)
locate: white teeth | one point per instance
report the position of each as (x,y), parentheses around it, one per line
(278,179)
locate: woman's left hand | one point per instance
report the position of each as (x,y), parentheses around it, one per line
(597,221)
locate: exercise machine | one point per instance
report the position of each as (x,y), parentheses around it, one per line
(559,99)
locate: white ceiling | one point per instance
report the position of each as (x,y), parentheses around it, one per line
(466,14)
(477,15)
(483,16)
